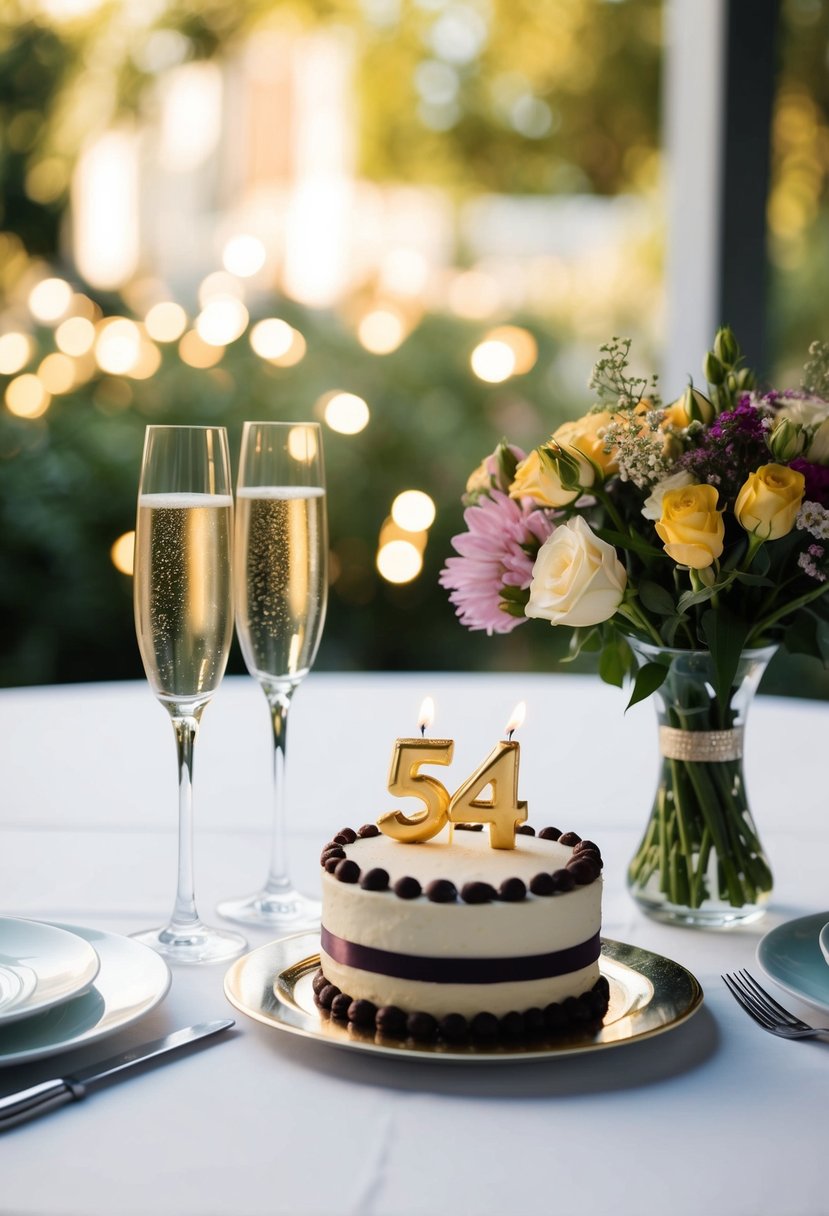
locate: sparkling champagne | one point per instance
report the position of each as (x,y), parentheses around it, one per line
(280,575)
(183,603)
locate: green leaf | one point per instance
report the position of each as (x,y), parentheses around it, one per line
(801,636)
(634,544)
(689,598)
(648,679)
(614,662)
(656,599)
(670,626)
(726,636)
(515,595)
(753,580)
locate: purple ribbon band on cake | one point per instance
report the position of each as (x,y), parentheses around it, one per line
(461,970)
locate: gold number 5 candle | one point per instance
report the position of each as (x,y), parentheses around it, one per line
(503,812)
(405,780)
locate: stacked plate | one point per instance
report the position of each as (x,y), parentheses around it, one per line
(62,986)
(796,955)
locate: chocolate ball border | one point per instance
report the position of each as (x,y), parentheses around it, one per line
(584,1012)
(583,868)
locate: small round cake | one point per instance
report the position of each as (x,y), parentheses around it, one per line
(452,937)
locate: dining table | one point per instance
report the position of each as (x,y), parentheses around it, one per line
(713,1115)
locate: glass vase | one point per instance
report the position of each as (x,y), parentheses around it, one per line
(700,861)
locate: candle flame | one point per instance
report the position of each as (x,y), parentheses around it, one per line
(427,714)
(517,718)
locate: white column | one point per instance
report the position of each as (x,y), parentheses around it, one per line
(693,99)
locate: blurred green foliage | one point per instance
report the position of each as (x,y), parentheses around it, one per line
(562,97)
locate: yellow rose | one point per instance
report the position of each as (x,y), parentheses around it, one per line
(536,478)
(586,435)
(691,406)
(769,501)
(691,528)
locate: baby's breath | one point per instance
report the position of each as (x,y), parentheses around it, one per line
(612,382)
(814,519)
(639,449)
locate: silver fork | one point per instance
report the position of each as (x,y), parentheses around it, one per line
(766,1011)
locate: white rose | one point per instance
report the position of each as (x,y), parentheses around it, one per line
(808,411)
(577,577)
(652,506)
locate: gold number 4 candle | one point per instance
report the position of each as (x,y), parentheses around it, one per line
(502,811)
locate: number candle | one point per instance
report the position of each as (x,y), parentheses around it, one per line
(503,812)
(406,781)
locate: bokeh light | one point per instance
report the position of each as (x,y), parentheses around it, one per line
(122,553)
(16,350)
(302,444)
(244,255)
(49,300)
(222,321)
(75,336)
(522,344)
(381,331)
(166,321)
(27,396)
(219,286)
(272,338)
(57,373)
(493,361)
(413,511)
(118,345)
(399,561)
(346,413)
(195,352)
(148,361)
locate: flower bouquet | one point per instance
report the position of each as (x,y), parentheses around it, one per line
(683,543)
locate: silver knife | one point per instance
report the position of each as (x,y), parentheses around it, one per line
(27,1103)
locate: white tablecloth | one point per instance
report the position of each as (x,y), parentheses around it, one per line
(714,1117)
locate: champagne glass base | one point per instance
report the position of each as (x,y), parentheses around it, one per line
(287,911)
(194,944)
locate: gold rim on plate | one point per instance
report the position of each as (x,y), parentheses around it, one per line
(649,994)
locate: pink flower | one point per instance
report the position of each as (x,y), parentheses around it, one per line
(492,556)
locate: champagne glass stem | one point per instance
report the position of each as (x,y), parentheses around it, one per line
(184,916)
(279,701)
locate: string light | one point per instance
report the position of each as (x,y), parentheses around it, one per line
(27,397)
(49,300)
(413,511)
(15,352)
(399,561)
(346,413)
(166,321)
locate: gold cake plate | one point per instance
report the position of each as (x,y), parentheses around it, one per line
(649,995)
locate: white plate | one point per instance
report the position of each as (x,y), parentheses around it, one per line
(41,966)
(791,956)
(648,995)
(132,980)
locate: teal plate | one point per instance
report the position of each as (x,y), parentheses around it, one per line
(791,956)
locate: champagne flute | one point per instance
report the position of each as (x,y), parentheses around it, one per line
(280,592)
(184,623)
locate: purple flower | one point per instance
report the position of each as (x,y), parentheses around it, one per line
(498,551)
(817,480)
(733,446)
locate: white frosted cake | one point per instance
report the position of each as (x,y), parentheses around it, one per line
(450,937)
